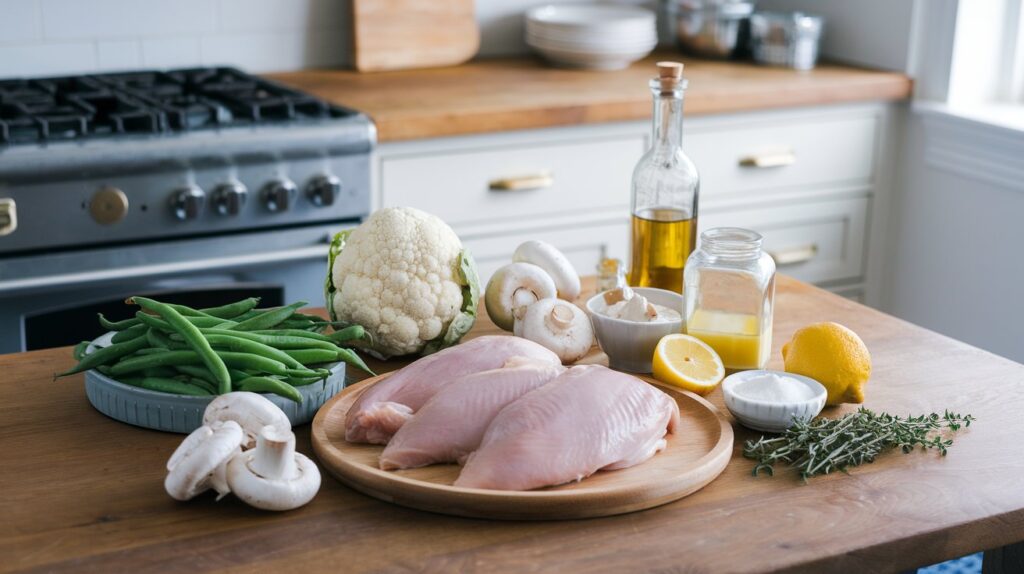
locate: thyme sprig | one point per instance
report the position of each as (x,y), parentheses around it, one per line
(823,445)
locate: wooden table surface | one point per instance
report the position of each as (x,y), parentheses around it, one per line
(81,492)
(520,93)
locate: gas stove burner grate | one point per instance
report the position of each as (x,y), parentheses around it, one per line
(149,103)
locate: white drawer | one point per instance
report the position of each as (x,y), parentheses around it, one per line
(808,153)
(584,246)
(586,175)
(815,241)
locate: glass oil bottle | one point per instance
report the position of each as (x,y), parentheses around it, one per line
(665,189)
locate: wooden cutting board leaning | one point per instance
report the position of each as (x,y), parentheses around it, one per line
(404,34)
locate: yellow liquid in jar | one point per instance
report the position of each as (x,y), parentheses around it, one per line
(737,338)
(662,241)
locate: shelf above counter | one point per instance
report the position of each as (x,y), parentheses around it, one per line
(496,95)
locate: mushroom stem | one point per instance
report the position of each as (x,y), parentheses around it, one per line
(274,457)
(560,317)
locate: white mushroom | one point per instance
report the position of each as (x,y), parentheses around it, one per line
(562,327)
(198,463)
(273,476)
(250,410)
(514,287)
(556,264)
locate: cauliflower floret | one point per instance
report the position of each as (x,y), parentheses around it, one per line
(402,276)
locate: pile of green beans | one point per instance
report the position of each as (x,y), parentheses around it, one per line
(176,349)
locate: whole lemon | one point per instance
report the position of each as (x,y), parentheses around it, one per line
(832,355)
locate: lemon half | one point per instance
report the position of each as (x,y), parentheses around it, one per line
(688,363)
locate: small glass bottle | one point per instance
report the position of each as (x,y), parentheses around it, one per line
(665,188)
(610,275)
(730,294)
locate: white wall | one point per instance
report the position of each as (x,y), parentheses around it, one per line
(956,262)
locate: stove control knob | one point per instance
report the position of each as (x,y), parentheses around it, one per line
(277,196)
(323,189)
(229,198)
(108,205)
(187,202)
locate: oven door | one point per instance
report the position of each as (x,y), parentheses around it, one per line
(51,299)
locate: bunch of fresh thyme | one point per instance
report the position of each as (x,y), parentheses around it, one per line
(823,445)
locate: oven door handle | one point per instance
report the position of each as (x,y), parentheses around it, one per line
(15,286)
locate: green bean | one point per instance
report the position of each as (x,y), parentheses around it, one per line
(302,381)
(233,310)
(187,311)
(209,386)
(270,385)
(197,372)
(157,339)
(160,372)
(350,357)
(193,337)
(313,356)
(106,355)
(171,386)
(176,358)
(116,325)
(241,345)
(268,319)
(295,333)
(130,333)
(305,373)
(79,351)
(150,350)
(158,323)
(349,333)
(238,375)
(276,341)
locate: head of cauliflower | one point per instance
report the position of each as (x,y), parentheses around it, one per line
(405,277)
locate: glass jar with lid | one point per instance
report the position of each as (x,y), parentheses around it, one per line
(729,296)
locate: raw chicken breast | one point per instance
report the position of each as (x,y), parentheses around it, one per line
(589,418)
(450,425)
(383,408)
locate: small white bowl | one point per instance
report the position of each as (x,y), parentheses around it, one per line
(630,344)
(771,416)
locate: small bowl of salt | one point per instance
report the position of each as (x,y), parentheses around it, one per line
(770,401)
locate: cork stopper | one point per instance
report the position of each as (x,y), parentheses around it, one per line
(669,74)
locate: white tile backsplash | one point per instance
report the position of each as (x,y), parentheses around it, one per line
(171,52)
(19,21)
(118,55)
(47,59)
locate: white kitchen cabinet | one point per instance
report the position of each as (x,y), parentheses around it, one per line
(809,179)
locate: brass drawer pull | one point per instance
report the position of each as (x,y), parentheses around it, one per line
(522,183)
(769,159)
(794,255)
(8,216)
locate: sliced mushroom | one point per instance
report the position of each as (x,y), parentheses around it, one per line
(197,464)
(560,326)
(250,410)
(514,287)
(555,263)
(273,476)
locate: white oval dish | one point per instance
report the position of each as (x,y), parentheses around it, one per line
(771,416)
(184,414)
(630,344)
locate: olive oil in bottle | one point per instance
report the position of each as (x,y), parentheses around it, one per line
(662,241)
(665,189)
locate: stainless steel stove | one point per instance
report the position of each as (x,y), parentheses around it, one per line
(191,184)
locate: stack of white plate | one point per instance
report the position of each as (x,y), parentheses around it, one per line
(593,36)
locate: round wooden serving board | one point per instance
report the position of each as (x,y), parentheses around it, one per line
(696,454)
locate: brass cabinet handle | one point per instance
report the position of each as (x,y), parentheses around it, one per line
(794,255)
(769,159)
(522,183)
(8,216)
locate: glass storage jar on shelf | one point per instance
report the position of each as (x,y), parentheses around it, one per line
(664,195)
(730,294)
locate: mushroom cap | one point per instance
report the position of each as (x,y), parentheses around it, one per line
(251,411)
(512,288)
(271,493)
(554,263)
(192,466)
(558,325)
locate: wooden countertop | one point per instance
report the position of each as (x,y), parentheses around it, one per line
(82,492)
(520,93)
